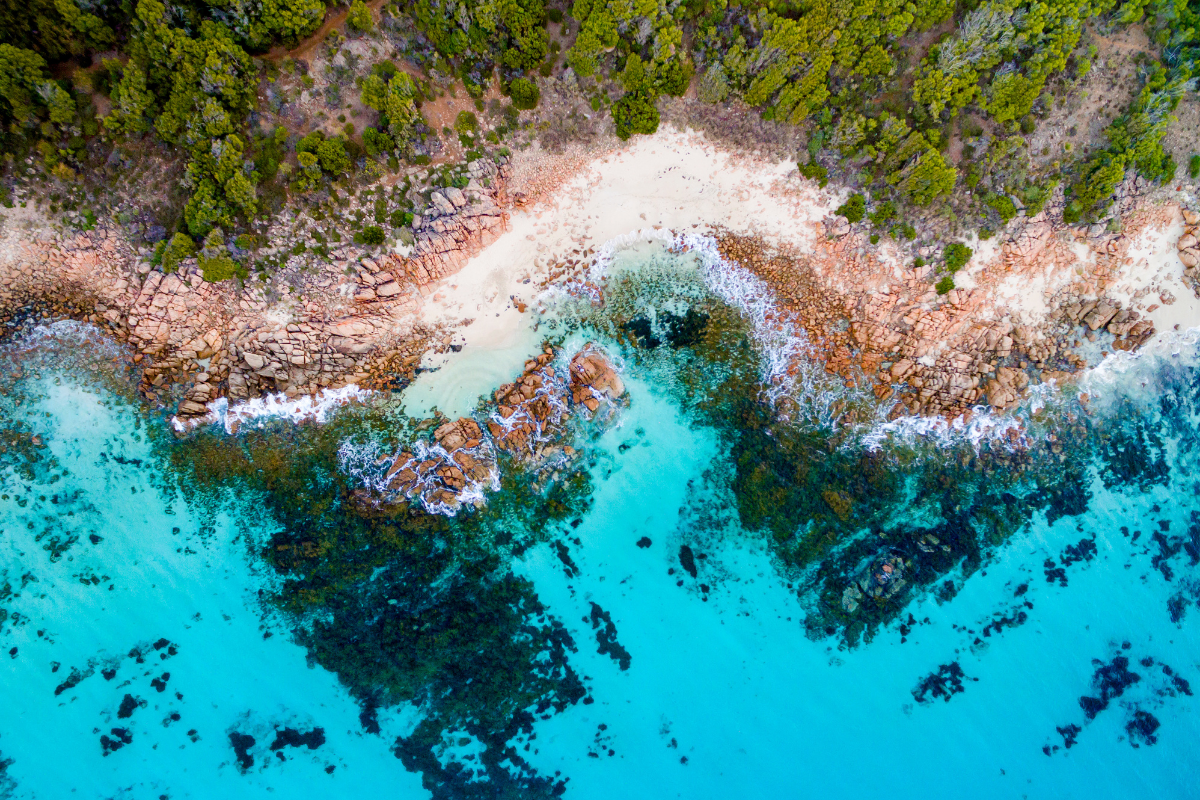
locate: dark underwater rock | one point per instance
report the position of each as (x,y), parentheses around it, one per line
(946,682)
(606,637)
(129,704)
(290,737)
(687,559)
(1141,728)
(120,737)
(241,743)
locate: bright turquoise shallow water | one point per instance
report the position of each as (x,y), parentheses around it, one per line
(106,565)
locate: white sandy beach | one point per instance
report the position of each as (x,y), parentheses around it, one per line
(680,181)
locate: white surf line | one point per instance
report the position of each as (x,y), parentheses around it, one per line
(788,366)
(314,408)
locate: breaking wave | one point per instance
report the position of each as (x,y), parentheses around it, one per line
(309,408)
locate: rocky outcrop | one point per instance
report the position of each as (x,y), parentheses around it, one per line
(444,474)
(880,580)
(877,325)
(1189,250)
(530,423)
(531,410)
(198,341)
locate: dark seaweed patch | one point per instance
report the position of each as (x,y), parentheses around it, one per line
(1114,679)
(946,682)
(1069,733)
(1109,682)
(119,738)
(1013,619)
(129,704)
(687,559)
(564,555)
(686,330)
(641,331)
(606,637)
(1168,548)
(241,744)
(73,680)
(1141,729)
(291,737)
(368,718)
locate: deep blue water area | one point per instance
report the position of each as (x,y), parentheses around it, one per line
(733,587)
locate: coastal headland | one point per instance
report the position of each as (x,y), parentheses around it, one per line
(1030,305)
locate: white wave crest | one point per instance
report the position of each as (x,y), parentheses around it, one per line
(309,408)
(1125,374)
(373,468)
(789,367)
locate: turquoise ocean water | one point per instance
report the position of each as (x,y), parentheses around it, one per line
(695,607)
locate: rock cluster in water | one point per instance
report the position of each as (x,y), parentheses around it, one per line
(529,423)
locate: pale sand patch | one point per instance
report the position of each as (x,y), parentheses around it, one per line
(1154,265)
(670,180)
(1026,296)
(985,253)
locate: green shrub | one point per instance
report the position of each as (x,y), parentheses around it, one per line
(814,171)
(218,268)
(1072,212)
(555,15)
(945,285)
(635,112)
(1002,205)
(956,256)
(524,93)
(854,209)
(332,155)
(376,142)
(214,261)
(180,247)
(310,143)
(359,19)
(466,122)
(883,212)
(371,235)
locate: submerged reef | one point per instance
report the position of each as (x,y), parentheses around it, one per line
(864,528)
(401,586)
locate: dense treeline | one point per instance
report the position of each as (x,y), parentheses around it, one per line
(882,86)
(184,73)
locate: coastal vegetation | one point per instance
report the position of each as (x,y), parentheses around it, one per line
(928,109)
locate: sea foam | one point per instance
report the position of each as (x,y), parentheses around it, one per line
(308,408)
